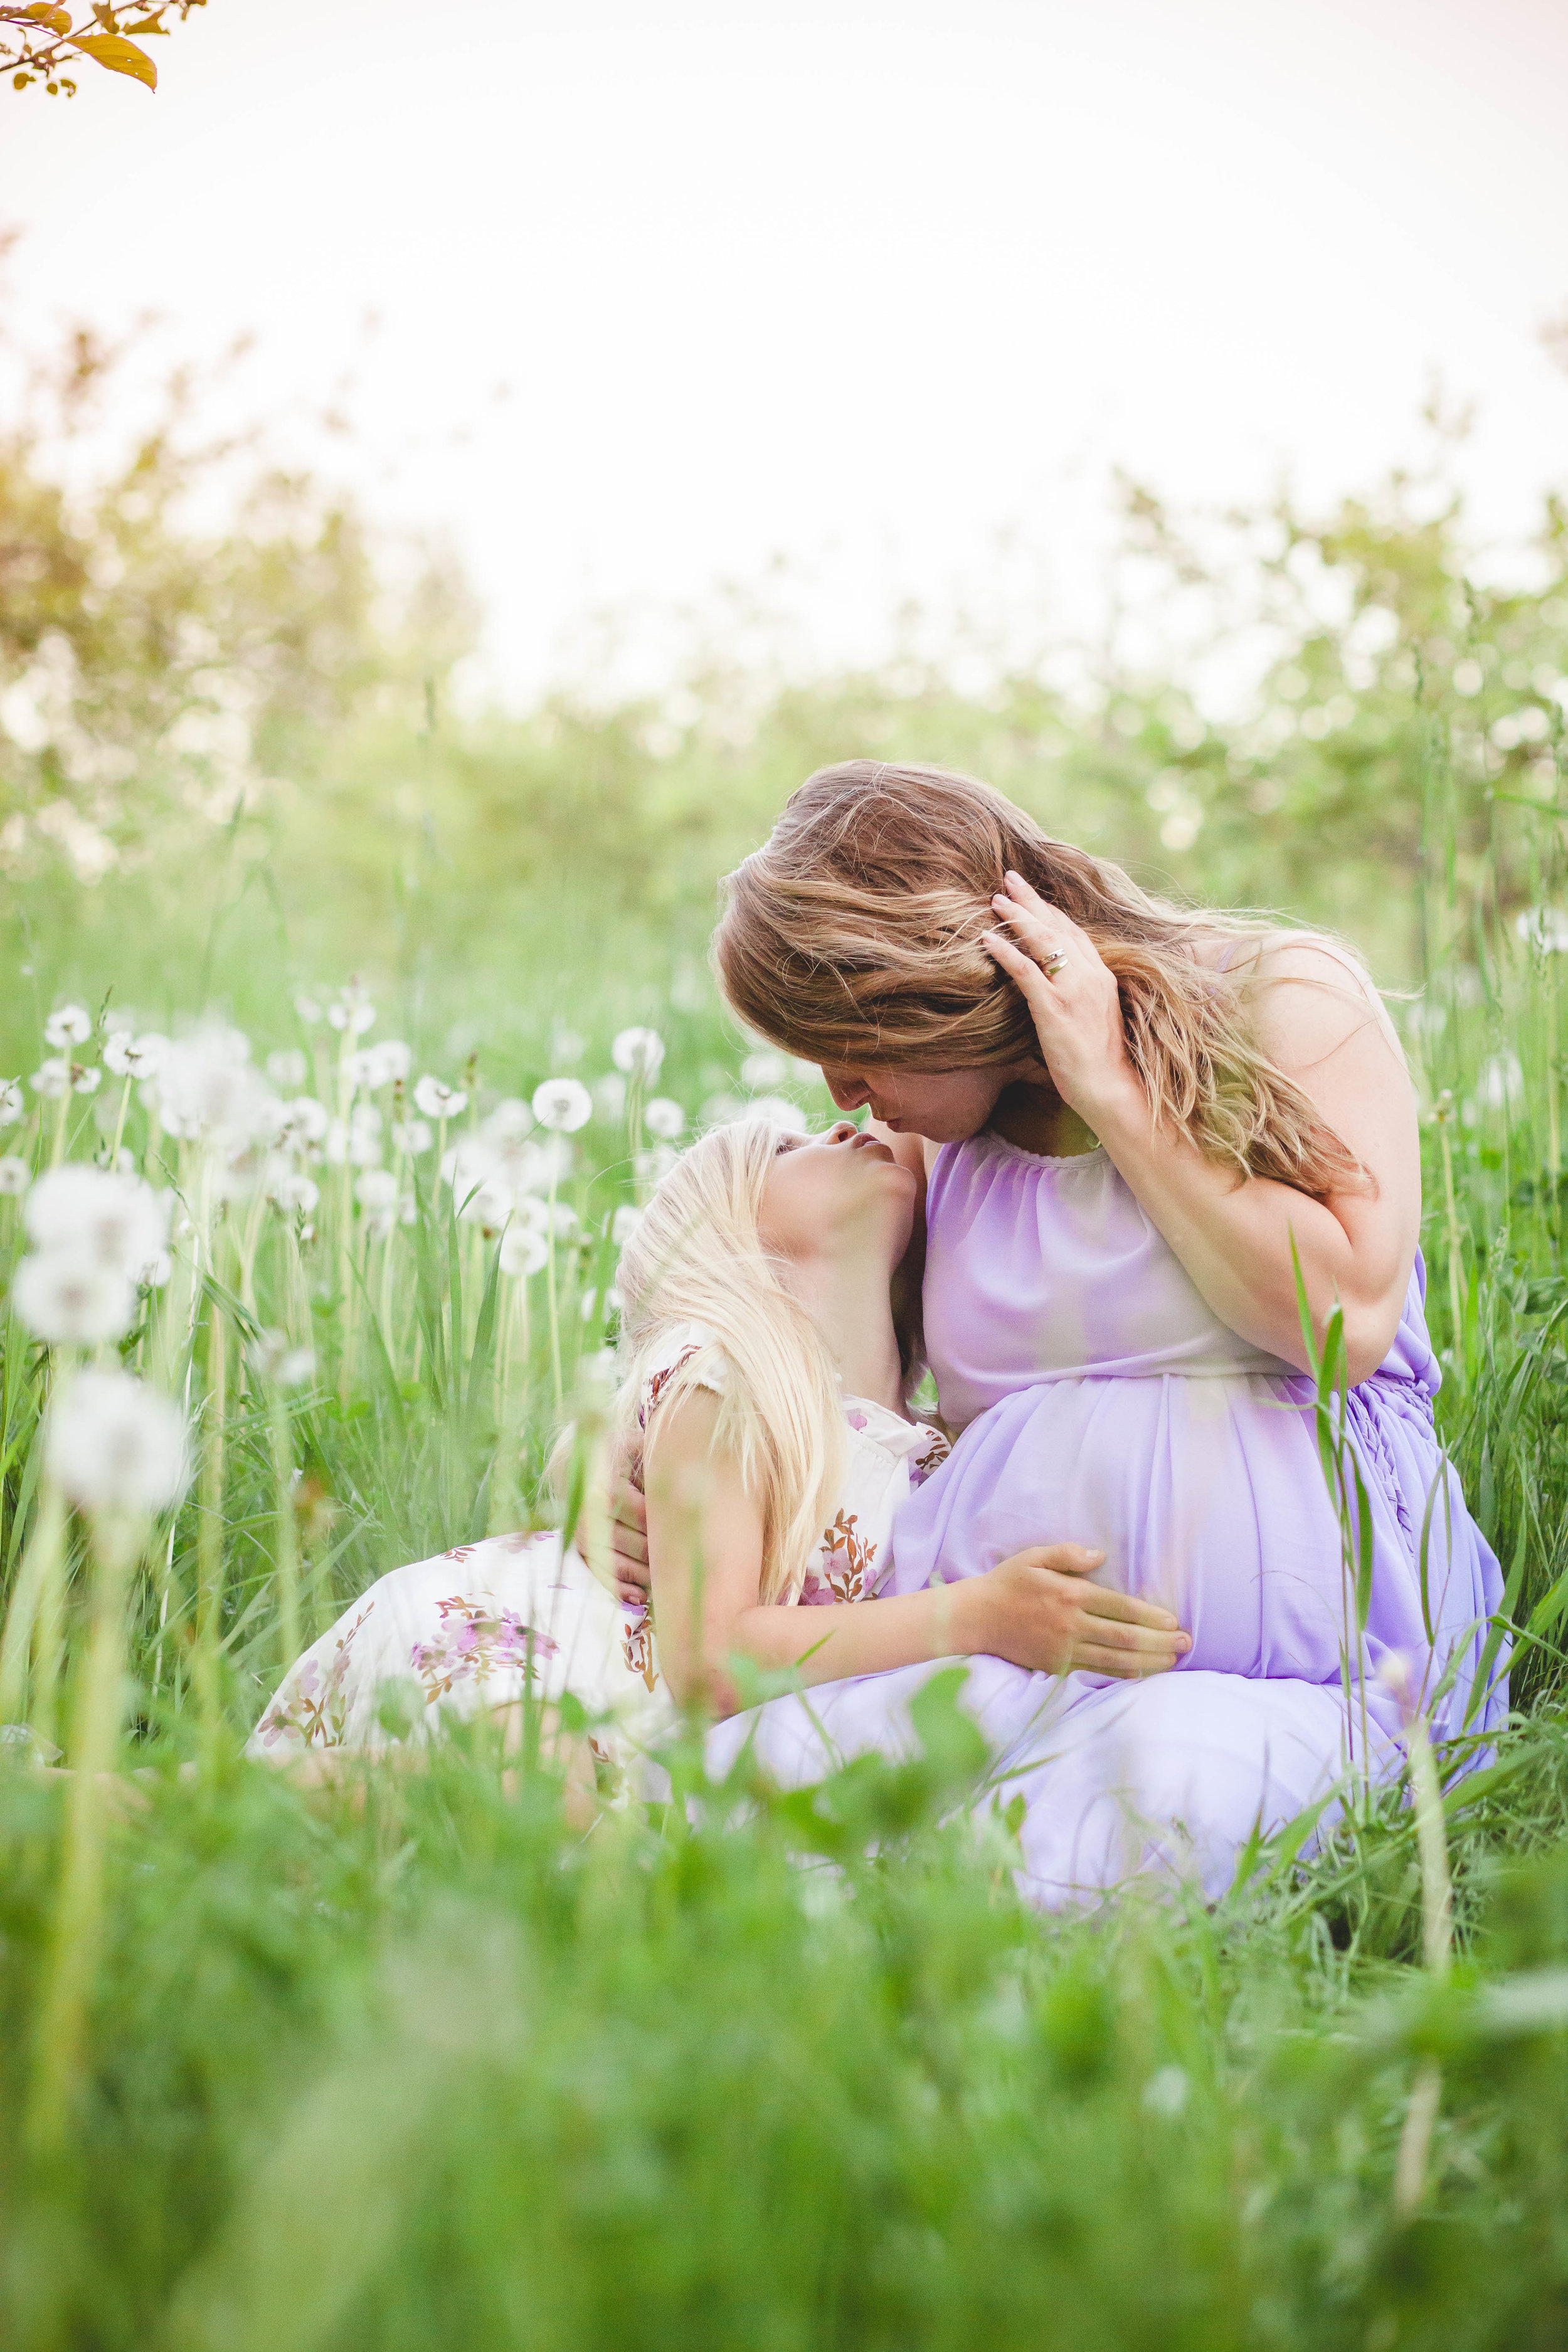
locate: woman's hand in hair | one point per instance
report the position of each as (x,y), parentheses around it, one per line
(1070,992)
(1038,1610)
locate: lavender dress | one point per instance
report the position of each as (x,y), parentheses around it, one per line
(1102,1402)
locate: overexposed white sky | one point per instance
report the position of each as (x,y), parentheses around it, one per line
(870,286)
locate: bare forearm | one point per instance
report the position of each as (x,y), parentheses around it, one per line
(861,1637)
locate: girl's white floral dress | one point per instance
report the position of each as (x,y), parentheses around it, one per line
(486,1623)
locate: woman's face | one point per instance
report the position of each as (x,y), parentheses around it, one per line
(840,1188)
(944,1106)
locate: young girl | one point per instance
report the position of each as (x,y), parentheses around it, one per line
(764,1394)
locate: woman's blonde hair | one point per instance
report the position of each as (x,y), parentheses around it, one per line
(698,1257)
(854,935)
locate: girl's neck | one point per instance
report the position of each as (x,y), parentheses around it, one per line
(845,1294)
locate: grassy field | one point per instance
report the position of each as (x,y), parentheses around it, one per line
(416,2063)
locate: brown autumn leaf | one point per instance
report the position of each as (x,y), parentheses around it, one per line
(57,19)
(120,57)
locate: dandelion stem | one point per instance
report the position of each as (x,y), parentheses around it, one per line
(287,1553)
(37,1581)
(210,1535)
(549,1291)
(95,1740)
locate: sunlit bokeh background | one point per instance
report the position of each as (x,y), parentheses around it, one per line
(629,299)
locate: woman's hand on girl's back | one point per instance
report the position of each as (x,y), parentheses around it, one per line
(1038,1610)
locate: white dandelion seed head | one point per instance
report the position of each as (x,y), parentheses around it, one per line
(309,1010)
(288,1068)
(412,1137)
(273,1357)
(292,1193)
(207,1091)
(664,1119)
(376,1190)
(13,1102)
(15,1177)
(71,1301)
(98,1216)
(566,1047)
(435,1100)
(71,1025)
(786,1115)
(350,1011)
(640,1052)
(523,1251)
(385,1064)
(303,1122)
(85,1081)
(348,1145)
(624,1224)
(1500,1082)
(125,1056)
(563,1105)
(1545,928)
(1165,2093)
(114,1444)
(52,1079)
(156,1272)
(509,1122)
(764,1068)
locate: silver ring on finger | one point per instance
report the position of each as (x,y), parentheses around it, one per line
(1052,965)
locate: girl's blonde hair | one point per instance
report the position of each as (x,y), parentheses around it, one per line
(853,937)
(698,1257)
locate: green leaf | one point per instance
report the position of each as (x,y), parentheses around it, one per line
(107,49)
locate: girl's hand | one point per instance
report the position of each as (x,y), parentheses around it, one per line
(1036,1610)
(1070,992)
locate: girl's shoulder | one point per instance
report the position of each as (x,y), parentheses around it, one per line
(684,1348)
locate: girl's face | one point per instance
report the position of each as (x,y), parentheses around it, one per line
(944,1106)
(839,1188)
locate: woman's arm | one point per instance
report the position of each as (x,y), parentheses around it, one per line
(705,1546)
(1320,1027)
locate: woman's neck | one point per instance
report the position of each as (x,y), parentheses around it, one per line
(1031,1114)
(845,1292)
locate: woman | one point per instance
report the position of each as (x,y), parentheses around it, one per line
(764,1393)
(1138,1131)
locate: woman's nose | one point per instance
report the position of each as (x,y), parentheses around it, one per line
(849,1094)
(843,1130)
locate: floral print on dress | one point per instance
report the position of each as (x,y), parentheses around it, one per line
(844,1569)
(312,1707)
(473,1643)
(637,1643)
(934,1455)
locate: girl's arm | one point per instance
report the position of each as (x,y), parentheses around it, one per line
(705,1546)
(1234,1238)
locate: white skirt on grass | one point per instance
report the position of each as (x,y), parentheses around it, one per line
(477,1628)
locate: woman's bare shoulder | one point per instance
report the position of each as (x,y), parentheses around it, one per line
(1314,996)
